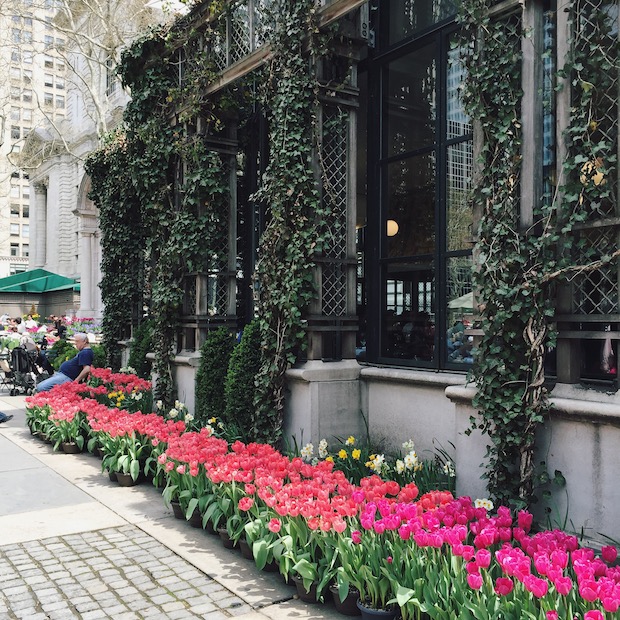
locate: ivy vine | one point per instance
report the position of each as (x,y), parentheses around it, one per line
(516,269)
(285,268)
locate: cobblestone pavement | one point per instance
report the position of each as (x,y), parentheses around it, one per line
(119,572)
(75,545)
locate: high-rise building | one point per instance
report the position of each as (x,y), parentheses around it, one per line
(59,96)
(32,94)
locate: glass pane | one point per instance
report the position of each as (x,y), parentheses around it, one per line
(457,121)
(458,183)
(406,17)
(410,104)
(410,217)
(460,310)
(408,325)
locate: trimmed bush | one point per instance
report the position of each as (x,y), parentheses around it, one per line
(239,387)
(214,359)
(99,356)
(141,345)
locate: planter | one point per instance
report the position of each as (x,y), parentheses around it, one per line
(112,476)
(125,480)
(271,567)
(210,529)
(246,549)
(196,519)
(348,607)
(177,510)
(368,613)
(70,447)
(227,541)
(306,597)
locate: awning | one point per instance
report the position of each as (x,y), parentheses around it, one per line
(37,281)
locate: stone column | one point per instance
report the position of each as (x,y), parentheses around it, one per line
(39,231)
(86,273)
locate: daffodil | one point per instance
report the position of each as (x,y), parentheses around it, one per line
(343,454)
(355,455)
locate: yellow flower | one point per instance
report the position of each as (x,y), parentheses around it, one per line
(355,455)
(342,454)
(212,420)
(329,458)
(350,441)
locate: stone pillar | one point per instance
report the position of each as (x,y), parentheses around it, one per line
(86,274)
(39,232)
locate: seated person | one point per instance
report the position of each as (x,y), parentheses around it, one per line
(75,369)
(30,323)
(38,354)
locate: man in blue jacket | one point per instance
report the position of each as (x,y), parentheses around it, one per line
(75,369)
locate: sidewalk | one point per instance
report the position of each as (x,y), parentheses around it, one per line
(75,545)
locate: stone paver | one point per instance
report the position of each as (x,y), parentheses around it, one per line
(127,588)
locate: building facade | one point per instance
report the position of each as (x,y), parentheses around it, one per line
(63,95)
(393,328)
(33,93)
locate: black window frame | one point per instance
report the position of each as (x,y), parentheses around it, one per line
(376,259)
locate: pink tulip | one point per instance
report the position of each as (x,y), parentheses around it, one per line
(552,615)
(611,604)
(274,525)
(475,581)
(588,590)
(503,586)
(609,554)
(563,585)
(483,558)
(525,519)
(595,614)
(537,586)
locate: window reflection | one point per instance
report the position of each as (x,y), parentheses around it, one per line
(410,101)
(407,17)
(411,205)
(409,324)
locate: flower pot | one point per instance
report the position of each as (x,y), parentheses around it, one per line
(210,528)
(177,510)
(348,607)
(368,613)
(227,541)
(70,447)
(125,480)
(196,519)
(246,549)
(112,476)
(271,567)
(306,597)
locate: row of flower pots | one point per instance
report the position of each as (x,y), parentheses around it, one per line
(434,555)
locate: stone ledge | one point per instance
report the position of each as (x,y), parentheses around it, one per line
(413,376)
(317,370)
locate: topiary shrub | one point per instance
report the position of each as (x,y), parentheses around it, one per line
(239,388)
(99,356)
(211,375)
(141,345)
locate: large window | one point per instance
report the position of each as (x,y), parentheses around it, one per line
(419,176)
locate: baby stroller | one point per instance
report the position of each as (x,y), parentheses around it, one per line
(24,371)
